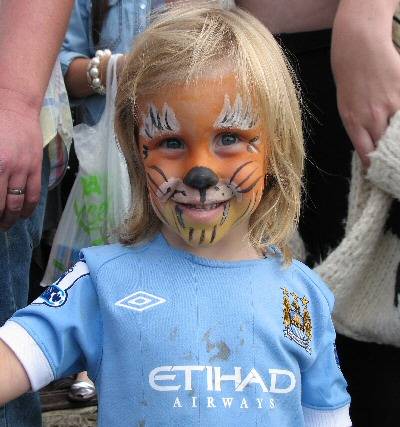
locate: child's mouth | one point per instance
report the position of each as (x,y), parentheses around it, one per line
(204,213)
(202,206)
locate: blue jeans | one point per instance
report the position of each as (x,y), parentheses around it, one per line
(16,247)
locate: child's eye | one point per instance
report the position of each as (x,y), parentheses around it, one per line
(228,139)
(172,144)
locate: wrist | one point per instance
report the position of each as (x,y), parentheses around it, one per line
(103,69)
(20,103)
(369,19)
(97,71)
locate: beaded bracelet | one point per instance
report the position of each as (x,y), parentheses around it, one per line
(93,73)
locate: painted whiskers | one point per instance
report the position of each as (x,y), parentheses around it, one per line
(241,186)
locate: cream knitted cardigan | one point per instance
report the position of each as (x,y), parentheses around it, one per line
(362,271)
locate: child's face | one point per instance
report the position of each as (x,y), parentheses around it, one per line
(204,154)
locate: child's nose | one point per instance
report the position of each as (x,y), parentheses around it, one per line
(200,178)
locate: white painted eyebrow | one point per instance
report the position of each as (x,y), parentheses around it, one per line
(155,122)
(237,116)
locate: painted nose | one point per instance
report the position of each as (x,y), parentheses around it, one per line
(200,178)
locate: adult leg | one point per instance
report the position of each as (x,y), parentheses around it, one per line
(16,247)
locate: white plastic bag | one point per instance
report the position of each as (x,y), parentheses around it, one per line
(100,196)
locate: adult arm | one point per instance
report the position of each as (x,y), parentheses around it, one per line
(76,80)
(13,378)
(31,33)
(76,53)
(366,67)
(292,16)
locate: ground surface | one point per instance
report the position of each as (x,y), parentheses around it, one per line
(59,411)
(77,417)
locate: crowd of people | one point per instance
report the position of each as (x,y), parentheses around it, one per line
(240,124)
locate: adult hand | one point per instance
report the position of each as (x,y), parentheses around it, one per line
(366,67)
(31,33)
(21,151)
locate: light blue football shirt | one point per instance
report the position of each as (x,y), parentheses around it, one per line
(172,339)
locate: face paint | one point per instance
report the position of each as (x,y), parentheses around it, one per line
(239,115)
(157,122)
(204,159)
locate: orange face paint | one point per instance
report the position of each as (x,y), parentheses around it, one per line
(204,153)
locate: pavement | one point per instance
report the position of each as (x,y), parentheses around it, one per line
(77,417)
(59,411)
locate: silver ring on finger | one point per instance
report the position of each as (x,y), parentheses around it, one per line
(16,191)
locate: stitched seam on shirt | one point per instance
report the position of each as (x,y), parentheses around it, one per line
(137,250)
(330,408)
(299,267)
(100,355)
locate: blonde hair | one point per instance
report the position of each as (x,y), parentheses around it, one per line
(184,42)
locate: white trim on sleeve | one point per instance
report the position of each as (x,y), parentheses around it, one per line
(327,418)
(28,353)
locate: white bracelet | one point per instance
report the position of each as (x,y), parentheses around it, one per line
(93,73)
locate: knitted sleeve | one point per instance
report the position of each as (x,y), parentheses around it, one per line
(384,171)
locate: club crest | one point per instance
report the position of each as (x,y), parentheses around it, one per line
(56,295)
(297,324)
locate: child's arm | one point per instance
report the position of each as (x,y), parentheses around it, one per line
(57,335)
(13,378)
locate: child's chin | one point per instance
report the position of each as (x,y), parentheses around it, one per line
(203,236)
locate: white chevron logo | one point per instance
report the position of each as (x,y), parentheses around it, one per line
(140,301)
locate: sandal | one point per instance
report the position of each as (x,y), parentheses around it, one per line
(81,391)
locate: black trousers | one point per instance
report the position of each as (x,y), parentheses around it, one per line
(371,370)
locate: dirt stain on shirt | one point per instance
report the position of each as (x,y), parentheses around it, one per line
(224,351)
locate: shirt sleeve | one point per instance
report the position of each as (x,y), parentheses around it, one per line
(324,396)
(77,39)
(60,332)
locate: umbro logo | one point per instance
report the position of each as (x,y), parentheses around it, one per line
(140,301)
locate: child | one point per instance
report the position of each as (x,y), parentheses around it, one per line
(196,319)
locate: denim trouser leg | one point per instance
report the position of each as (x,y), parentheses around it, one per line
(16,247)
